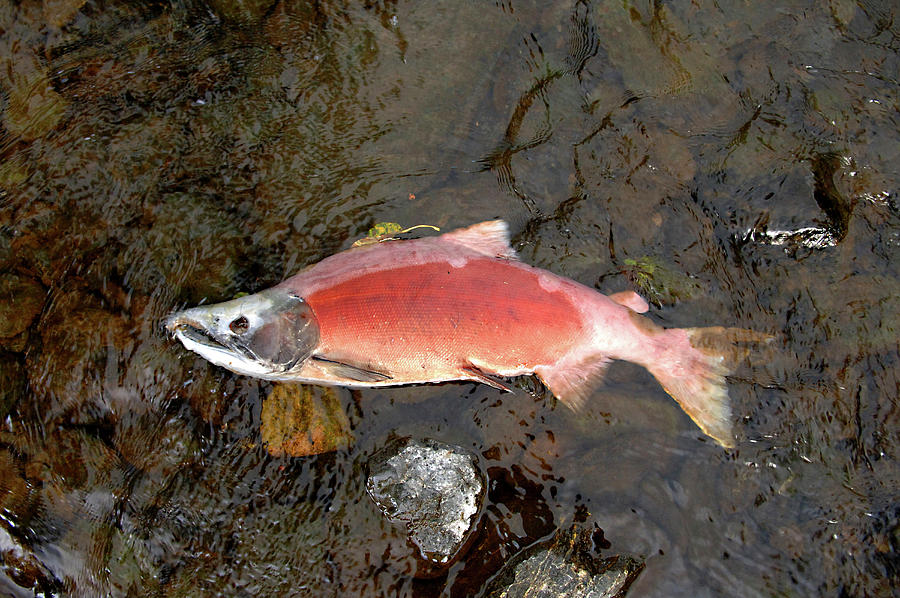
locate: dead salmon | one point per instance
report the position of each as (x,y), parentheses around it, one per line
(459,306)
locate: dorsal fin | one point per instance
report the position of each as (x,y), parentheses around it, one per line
(489,238)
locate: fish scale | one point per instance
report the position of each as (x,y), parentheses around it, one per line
(454,315)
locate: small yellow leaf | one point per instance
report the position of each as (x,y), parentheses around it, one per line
(384,231)
(384,228)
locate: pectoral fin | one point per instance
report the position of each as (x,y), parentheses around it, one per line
(339,369)
(474,373)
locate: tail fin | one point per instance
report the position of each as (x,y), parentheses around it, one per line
(693,371)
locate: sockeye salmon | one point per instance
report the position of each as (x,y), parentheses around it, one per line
(459,306)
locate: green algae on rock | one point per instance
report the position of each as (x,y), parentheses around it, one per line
(660,283)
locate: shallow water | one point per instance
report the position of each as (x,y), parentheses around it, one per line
(736,163)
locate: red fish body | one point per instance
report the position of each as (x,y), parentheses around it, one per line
(462,307)
(434,320)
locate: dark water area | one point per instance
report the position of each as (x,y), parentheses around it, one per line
(737,163)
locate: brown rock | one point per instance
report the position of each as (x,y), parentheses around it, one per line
(13,489)
(12,383)
(241,11)
(301,420)
(78,337)
(21,300)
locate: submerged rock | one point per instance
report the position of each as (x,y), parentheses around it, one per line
(174,446)
(566,566)
(241,11)
(79,337)
(301,420)
(12,383)
(23,572)
(435,489)
(661,283)
(33,107)
(15,494)
(23,300)
(197,261)
(60,12)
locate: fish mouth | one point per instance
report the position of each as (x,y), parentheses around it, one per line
(187,329)
(190,332)
(197,335)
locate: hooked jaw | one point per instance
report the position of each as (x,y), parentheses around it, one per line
(197,338)
(263,335)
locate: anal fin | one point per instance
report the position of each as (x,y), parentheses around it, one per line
(474,373)
(572,383)
(340,369)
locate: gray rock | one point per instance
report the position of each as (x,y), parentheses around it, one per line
(567,566)
(433,488)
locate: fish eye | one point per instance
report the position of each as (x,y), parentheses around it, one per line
(239,325)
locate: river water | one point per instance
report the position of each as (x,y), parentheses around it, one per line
(734,162)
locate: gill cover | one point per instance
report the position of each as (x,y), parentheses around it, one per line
(265,334)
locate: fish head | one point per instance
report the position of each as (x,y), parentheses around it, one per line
(265,335)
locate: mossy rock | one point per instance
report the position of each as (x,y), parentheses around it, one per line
(660,283)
